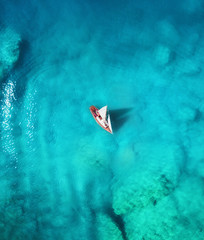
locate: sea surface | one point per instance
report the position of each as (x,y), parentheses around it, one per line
(62,177)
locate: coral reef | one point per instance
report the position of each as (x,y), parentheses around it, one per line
(189,199)
(162,55)
(107,229)
(189,67)
(167,33)
(186,114)
(151,222)
(150,180)
(138,191)
(9,49)
(192,6)
(195,151)
(161,222)
(14,222)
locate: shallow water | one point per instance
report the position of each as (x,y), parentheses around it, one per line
(61,176)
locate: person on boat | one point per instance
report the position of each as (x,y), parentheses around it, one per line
(98,114)
(95,115)
(105,124)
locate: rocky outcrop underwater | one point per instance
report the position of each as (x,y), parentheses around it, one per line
(9,50)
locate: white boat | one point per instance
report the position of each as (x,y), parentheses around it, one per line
(102,117)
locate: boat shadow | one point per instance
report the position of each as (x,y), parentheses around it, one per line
(119,117)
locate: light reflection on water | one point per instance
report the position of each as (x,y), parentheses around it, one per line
(7,137)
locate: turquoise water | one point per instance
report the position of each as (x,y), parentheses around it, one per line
(61,175)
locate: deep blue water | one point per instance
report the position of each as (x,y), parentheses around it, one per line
(61,175)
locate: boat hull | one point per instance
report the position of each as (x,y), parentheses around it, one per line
(93,109)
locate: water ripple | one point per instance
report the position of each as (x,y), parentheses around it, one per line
(8,142)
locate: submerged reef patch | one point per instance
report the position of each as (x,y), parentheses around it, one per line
(107,228)
(167,33)
(192,6)
(150,180)
(9,49)
(189,67)
(161,222)
(162,55)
